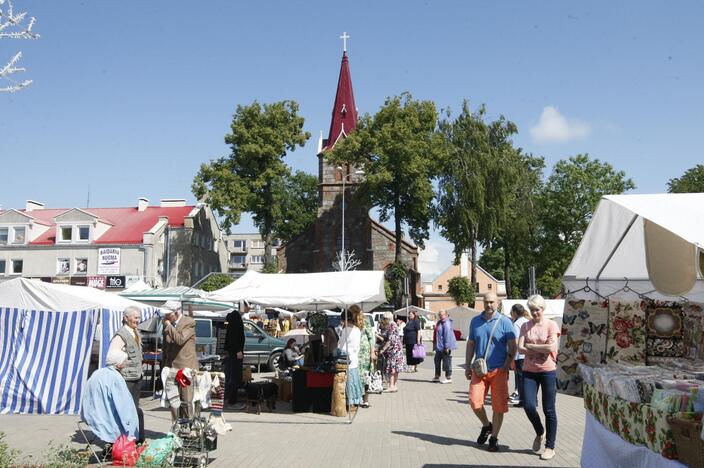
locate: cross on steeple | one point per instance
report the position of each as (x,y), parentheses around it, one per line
(344,38)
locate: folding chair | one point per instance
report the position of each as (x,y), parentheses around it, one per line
(104,457)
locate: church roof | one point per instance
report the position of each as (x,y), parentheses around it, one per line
(344,112)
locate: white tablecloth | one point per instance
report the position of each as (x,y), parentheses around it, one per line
(602,448)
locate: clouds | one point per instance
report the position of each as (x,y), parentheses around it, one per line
(554,127)
(434,259)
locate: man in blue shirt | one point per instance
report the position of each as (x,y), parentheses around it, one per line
(501,352)
(443,343)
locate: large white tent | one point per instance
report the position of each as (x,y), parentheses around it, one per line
(306,290)
(46,338)
(649,243)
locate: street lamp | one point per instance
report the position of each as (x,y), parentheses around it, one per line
(343,260)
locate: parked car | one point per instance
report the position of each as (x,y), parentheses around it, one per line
(260,347)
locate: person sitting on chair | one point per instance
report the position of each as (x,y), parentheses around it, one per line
(292,356)
(107,406)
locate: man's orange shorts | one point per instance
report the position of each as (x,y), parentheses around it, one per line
(497,380)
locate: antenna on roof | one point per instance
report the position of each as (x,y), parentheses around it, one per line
(88,200)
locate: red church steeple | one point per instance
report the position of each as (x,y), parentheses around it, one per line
(344,112)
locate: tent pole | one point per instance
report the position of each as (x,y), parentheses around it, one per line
(613,251)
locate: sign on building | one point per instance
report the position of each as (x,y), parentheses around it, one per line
(132,279)
(115,282)
(60,280)
(97,282)
(108,261)
(79,281)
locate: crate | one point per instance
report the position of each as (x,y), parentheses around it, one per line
(687,436)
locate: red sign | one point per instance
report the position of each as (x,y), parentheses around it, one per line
(97,282)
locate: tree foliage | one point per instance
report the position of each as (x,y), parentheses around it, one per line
(298,204)
(254,177)
(397,149)
(216,281)
(692,181)
(461,291)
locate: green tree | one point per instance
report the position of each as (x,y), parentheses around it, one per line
(297,197)
(692,181)
(461,291)
(251,178)
(215,281)
(474,180)
(567,204)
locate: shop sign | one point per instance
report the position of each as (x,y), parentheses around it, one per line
(79,281)
(108,261)
(45,279)
(115,282)
(60,280)
(132,279)
(97,282)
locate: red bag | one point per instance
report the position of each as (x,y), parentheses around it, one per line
(125,451)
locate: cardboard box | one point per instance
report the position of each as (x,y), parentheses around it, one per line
(285,390)
(246,374)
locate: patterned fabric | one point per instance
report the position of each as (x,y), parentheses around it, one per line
(636,423)
(365,348)
(693,323)
(664,330)
(583,339)
(626,337)
(394,351)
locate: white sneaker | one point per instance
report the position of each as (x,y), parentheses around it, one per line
(548,454)
(444,381)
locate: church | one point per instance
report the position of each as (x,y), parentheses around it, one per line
(317,248)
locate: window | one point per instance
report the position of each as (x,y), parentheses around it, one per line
(439,287)
(63,266)
(239,244)
(257,244)
(4,235)
(257,258)
(81,266)
(83,233)
(488,286)
(3,266)
(250,331)
(17,267)
(65,233)
(238,259)
(20,235)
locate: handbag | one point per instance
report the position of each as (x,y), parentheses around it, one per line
(479,365)
(418,351)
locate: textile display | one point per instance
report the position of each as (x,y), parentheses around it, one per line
(608,449)
(665,334)
(626,332)
(583,340)
(636,423)
(693,335)
(44,358)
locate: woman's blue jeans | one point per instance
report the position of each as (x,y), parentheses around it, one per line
(548,384)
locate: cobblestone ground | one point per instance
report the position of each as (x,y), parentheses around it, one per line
(423,425)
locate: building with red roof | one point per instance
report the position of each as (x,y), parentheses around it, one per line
(166,245)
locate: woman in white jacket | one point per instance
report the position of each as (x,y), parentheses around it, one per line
(348,343)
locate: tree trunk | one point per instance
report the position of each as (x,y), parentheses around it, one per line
(507,270)
(268,226)
(398,233)
(474,262)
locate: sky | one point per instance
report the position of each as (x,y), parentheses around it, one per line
(130,98)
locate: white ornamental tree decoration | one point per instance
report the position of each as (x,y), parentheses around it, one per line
(345,261)
(12,27)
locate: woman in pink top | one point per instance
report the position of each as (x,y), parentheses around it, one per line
(538,342)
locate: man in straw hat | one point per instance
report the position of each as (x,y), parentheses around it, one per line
(179,352)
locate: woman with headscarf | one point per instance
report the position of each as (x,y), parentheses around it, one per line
(367,352)
(349,343)
(392,350)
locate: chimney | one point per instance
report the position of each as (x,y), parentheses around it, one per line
(34,205)
(142,204)
(172,202)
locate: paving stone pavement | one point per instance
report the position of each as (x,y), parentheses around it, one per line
(423,425)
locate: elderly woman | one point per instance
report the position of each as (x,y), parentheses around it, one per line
(349,343)
(106,404)
(128,339)
(392,350)
(411,337)
(367,352)
(538,342)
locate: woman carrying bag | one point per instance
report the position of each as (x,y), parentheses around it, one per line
(411,339)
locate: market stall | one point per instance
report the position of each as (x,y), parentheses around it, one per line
(47,335)
(308,291)
(631,339)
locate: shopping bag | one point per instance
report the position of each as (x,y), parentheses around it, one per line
(125,451)
(419,351)
(159,452)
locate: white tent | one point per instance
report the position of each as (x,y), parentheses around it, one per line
(461,317)
(46,338)
(554,308)
(653,242)
(304,290)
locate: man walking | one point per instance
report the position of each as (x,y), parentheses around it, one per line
(180,352)
(234,345)
(491,337)
(444,342)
